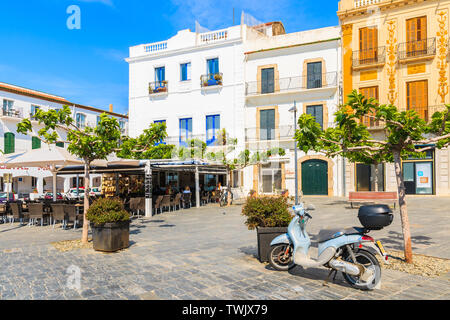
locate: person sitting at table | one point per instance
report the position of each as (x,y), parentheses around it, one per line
(187,190)
(168,190)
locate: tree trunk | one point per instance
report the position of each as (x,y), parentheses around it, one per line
(229,188)
(84,236)
(403,208)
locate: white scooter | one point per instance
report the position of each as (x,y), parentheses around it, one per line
(350,250)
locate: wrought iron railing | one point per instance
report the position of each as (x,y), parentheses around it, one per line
(314,81)
(14,113)
(417,49)
(158,87)
(211,79)
(369,57)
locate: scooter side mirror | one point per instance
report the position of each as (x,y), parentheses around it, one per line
(310,207)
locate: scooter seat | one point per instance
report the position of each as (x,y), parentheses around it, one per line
(328,234)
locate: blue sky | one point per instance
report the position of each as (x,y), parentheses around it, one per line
(87,66)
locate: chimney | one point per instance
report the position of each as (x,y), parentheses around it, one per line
(110,108)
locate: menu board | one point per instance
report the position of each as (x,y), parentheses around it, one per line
(148,185)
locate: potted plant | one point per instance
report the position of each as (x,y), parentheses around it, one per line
(110,225)
(270,217)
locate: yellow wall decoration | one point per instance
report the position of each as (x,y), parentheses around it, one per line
(417,68)
(442,39)
(368,75)
(392,60)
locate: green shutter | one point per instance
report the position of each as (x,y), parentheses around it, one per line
(9,142)
(60,144)
(35,143)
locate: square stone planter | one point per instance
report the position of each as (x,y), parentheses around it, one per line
(265,237)
(111,237)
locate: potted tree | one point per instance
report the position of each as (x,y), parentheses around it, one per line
(110,225)
(270,217)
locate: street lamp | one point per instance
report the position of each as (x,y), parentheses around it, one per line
(294,110)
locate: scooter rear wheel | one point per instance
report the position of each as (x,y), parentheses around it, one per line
(369,261)
(278,258)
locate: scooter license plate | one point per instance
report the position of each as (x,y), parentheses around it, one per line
(380,246)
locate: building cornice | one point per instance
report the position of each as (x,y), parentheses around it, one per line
(182,50)
(383,6)
(292,46)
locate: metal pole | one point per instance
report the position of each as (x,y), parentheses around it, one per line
(197,188)
(295,155)
(148,190)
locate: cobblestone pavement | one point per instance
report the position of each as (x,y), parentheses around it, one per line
(207,253)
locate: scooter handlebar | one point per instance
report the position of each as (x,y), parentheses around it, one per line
(307,214)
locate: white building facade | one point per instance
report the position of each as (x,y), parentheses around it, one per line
(19,103)
(244,79)
(301,69)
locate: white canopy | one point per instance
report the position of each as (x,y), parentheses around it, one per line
(45,157)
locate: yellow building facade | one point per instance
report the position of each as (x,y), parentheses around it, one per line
(397,51)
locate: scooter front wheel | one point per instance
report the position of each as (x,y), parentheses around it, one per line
(280,257)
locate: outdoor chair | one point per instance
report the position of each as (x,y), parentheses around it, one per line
(72,215)
(165,203)
(58,214)
(187,199)
(137,205)
(158,204)
(205,197)
(176,202)
(36,212)
(17,213)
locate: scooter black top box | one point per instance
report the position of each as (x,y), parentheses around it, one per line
(375,217)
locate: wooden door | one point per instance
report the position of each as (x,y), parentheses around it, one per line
(416,36)
(315,177)
(370,92)
(368,45)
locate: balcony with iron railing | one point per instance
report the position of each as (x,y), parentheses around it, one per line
(369,58)
(416,50)
(15,113)
(211,80)
(158,87)
(292,84)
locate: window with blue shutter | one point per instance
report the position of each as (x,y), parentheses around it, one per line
(316,112)
(267,124)
(185,131)
(9,142)
(160,76)
(212,128)
(213,67)
(185,71)
(160,121)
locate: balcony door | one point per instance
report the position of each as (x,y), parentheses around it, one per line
(317,113)
(368,45)
(267,124)
(314,75)
(267,80)
(160,76)
(370,92)
(213,67)
(416,36)
(417,97)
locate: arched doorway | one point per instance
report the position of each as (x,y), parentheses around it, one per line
(315,177)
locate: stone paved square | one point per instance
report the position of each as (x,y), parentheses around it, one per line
(208,253)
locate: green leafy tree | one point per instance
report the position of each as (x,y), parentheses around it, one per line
(148,145)
(225,154)
(403,132)
(87,143)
